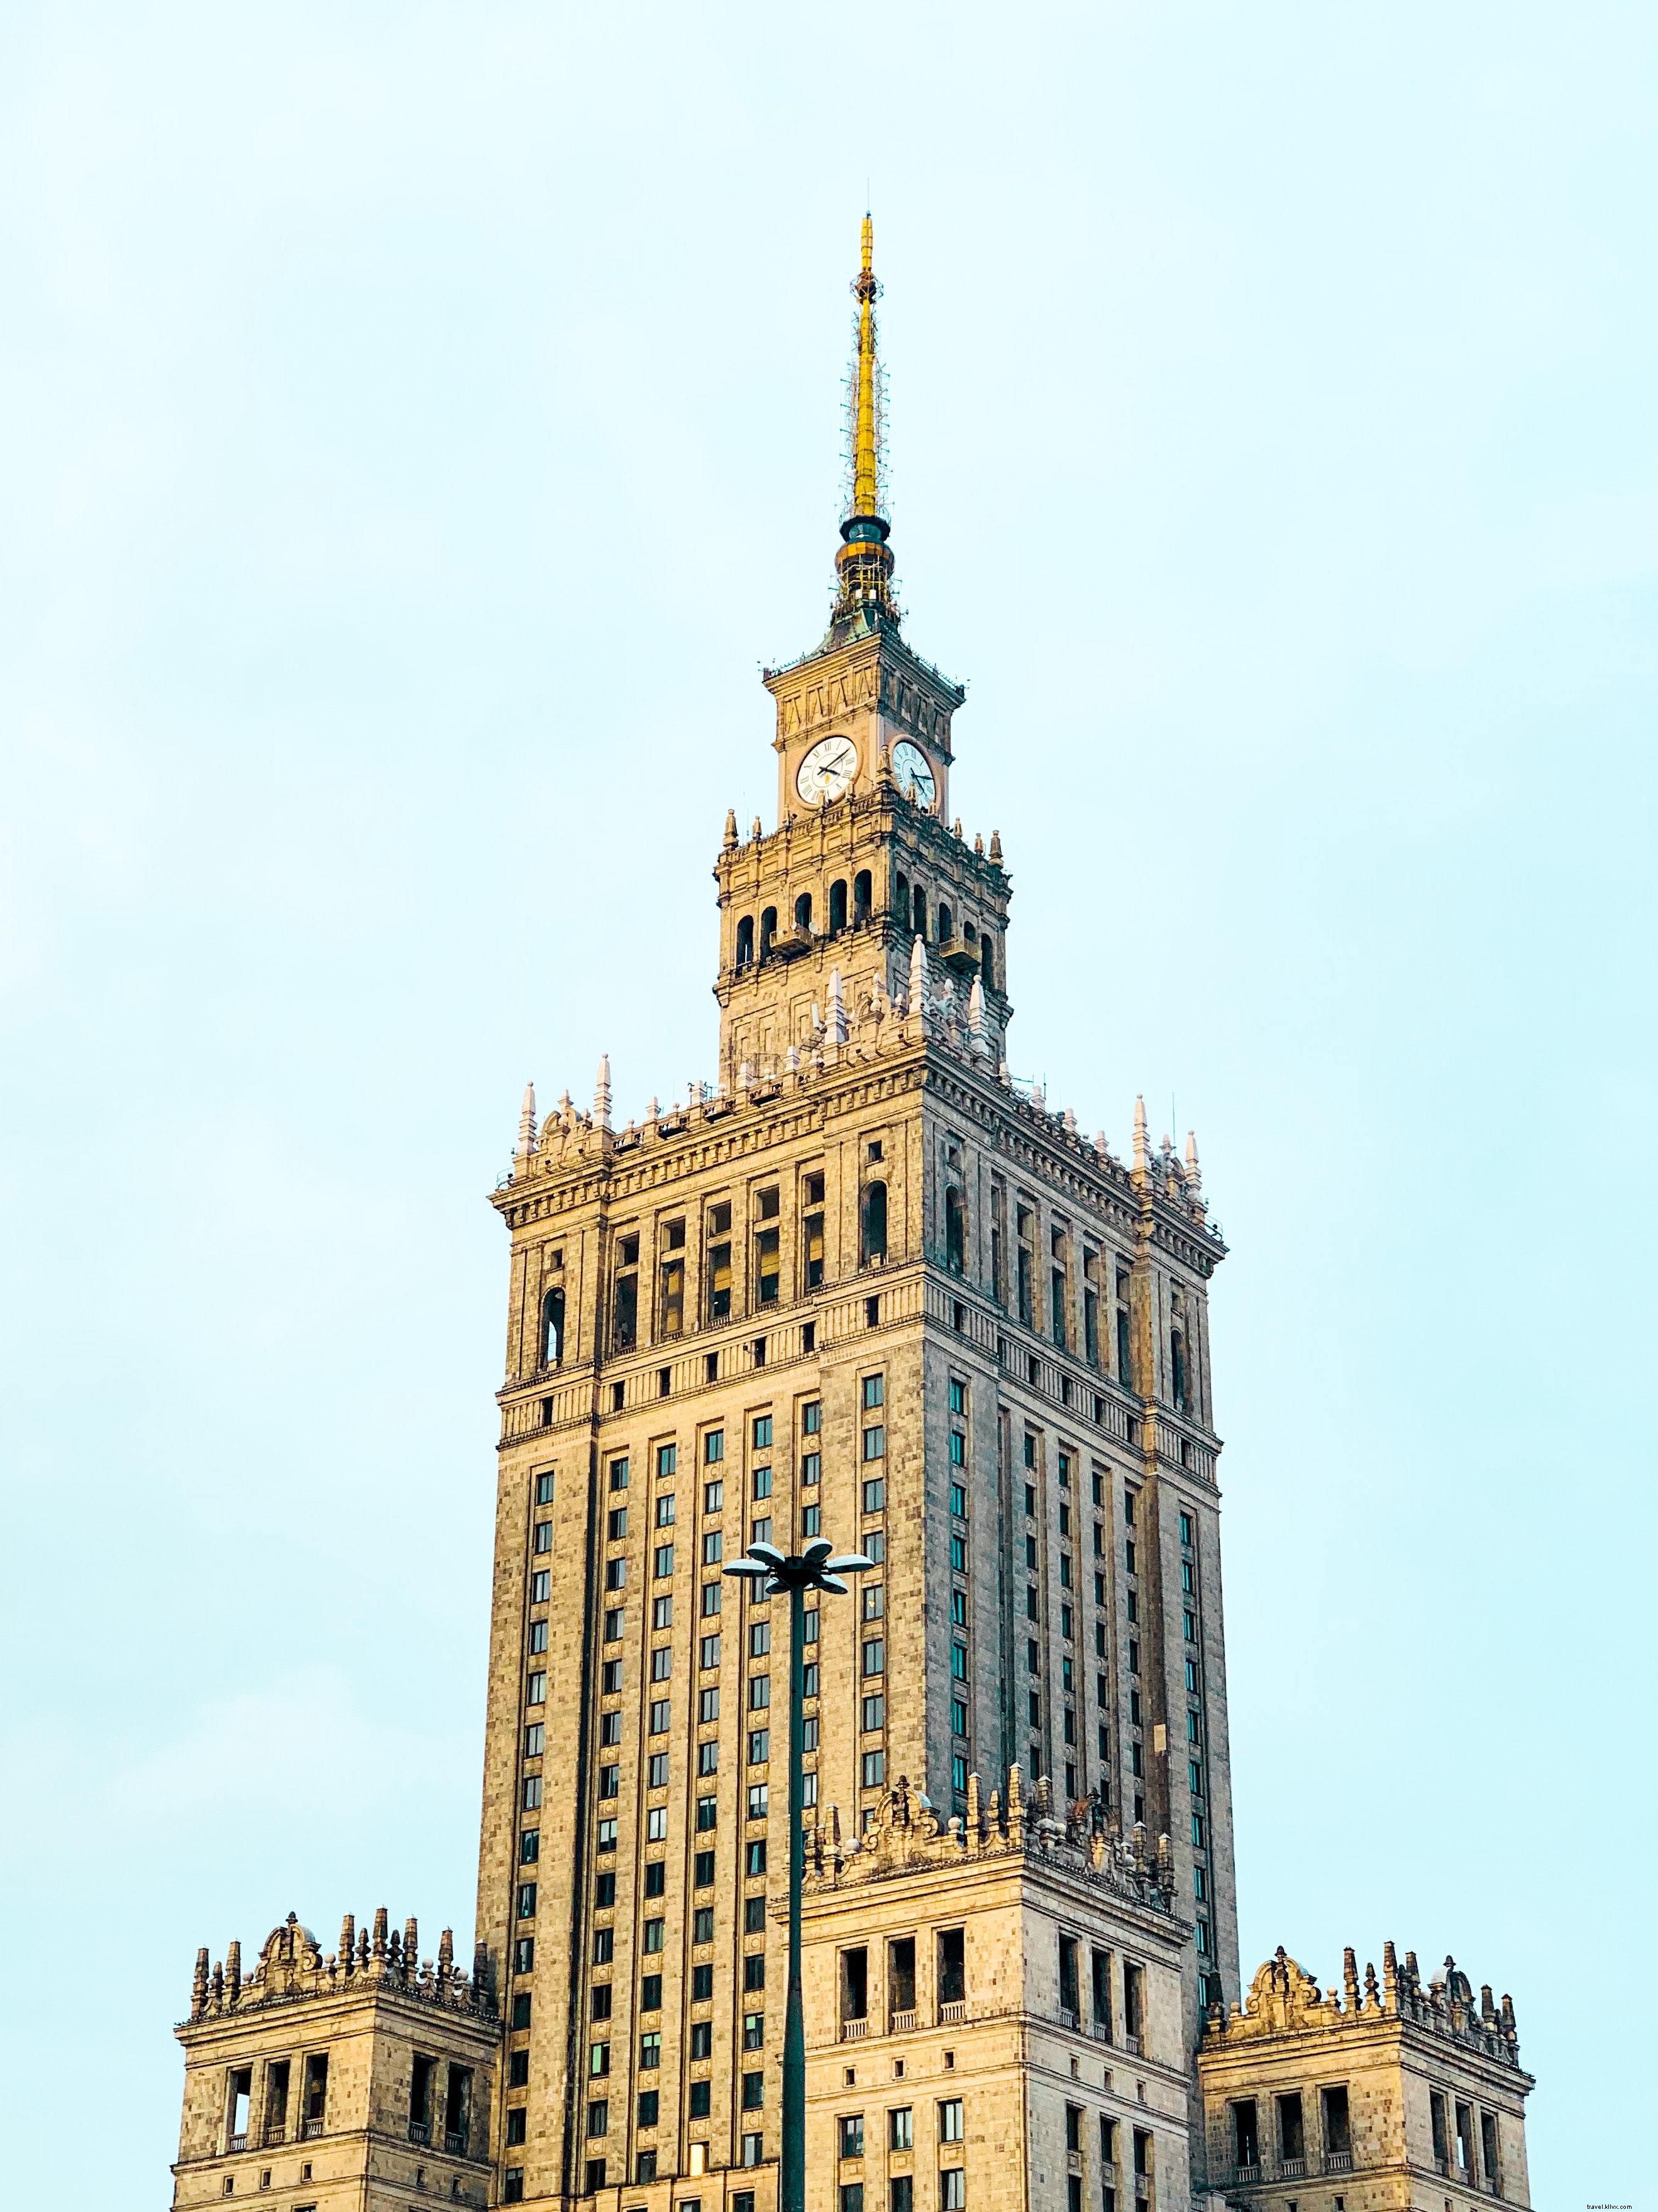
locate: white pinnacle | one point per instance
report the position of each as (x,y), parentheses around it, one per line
(981,1044)
(601,1093)
(526,1123)
(1140,1157)
(918,979)
(837,1028)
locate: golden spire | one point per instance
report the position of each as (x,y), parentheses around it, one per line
(863,565)
(866,442)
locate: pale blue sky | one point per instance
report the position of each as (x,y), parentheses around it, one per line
(417,423)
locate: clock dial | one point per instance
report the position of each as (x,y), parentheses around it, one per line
(827,772)
(913,773)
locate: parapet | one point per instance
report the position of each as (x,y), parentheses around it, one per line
(1283,1999)
(907,1838)
(291,1967)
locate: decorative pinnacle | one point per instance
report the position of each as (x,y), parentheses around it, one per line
(1141,1160)
(526,1123)
(863,566)
(601,1093)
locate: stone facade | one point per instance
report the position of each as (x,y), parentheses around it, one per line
(1011,1989)
(366,2078)
(869,1286)
(1375,2097)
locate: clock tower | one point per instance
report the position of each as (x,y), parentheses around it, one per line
(820,917)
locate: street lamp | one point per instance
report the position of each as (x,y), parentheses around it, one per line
(814,1569)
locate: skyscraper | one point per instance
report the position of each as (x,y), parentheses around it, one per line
(866,1284)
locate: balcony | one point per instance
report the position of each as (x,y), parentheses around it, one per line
(1338,2161)
(454,2139)
(901,2022)
(1246,2177)
(309,2129)
(953,2012)
(420,2132)
(276,2132)
(956,953)
(854,2030)
(1292,2169)
(237,2142)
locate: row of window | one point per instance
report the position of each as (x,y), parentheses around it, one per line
(757,935)
(674,1307)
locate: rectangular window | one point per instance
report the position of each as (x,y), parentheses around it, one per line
(543,1539)
(811,1468)
(707,1652)
(713,1547)
(875,1497)
(523,1956)
(875,1657)
(757,1801)
(874,1443)
(762,1482)
(949,2121)
(534,1739)
(650,2050)
(708,1815)
(711,1594)
(874,1769)
(659,1715)
(540,1586)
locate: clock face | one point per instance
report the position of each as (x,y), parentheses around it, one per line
(913,773)
(827,772)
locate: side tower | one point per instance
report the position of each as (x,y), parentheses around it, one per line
(865,1285)
(1376,2097)
(365,2078)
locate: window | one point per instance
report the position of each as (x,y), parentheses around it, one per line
(851,2197)
(851,2134)
(874,1769)
(707,1652)
(875,1657)
(958,1662)
(534,1739)
(552,1328)
(1069,2000)
(874,1248)
(711,1596)
(875,1496)
(753,1970)
(757,1801)
(949,2121)
(875,1712)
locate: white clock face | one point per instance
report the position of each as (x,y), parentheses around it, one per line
(827,772)
(913,773)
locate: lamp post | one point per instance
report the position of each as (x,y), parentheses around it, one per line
(814,1569)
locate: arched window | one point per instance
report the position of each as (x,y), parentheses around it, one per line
(746,941)
(837,906)
(901,898)
(552,1328)
(768,929)
(1177,1364)
(874,1222)
(863,894)
(969,935)
(946,925)
(955,1233)
(803,911)
(918,921)
(987,960)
